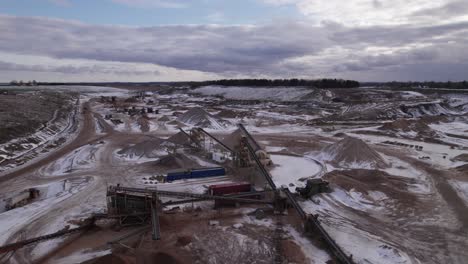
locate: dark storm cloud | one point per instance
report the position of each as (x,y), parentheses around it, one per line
(243,50)
(389,60)
(71,69)
(206,48)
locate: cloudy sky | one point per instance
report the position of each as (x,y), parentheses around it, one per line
(174,40)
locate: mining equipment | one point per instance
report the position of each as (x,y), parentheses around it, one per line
(313,187)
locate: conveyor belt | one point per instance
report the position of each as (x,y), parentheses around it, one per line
(294,203)
(190,137)
(252,151)
(215,139)
(237,195)
(251,139)
(264,172)
(149,192)
(312,220)
(155,218)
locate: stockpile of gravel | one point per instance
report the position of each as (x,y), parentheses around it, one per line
(352,152)
(179,139)
(153,148)
(199,117)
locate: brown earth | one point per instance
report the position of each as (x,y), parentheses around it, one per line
(363,181)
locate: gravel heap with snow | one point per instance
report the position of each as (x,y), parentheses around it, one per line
(352,152)
(179,139)
(199,117)
(177,161)
(411,127)
(233,140)
(153,148)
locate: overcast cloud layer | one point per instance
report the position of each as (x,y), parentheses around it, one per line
(368,40)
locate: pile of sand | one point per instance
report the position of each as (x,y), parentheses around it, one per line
(463,168)
(153,148)
(179,139)
(352,152)
(227,113)
(462,157)
(200,118)
(406,125)
(177,161)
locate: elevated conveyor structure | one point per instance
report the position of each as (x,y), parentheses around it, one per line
(312,224)
(248,142)
(215,139)
(149,192)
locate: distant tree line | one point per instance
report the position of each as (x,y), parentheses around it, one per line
(320,83)
(21,83)
(448,85)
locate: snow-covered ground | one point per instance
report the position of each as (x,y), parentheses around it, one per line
(365,247)
(15,220)
(80,159)
(438,153)
(290,169)
(250,93)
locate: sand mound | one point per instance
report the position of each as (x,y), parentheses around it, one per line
(364,181)
(177,161)
(406,125)
(418,128)
(461,157)
(463,168)
(353,153)
(227,113)
(153,148)
(179,139)
(200,118)
(176,123)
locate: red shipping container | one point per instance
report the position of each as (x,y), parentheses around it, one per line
(229,188)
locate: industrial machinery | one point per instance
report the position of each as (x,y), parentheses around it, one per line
(313,187)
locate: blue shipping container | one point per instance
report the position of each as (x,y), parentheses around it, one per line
(209,172)
(195,173)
